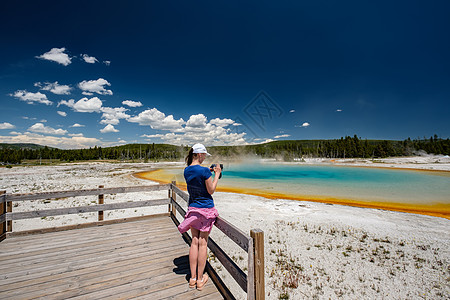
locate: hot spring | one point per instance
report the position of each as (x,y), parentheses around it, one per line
(425,192)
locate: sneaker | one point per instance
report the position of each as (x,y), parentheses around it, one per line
(192,282)
(201,283)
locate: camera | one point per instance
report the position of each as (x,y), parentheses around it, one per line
(213,166)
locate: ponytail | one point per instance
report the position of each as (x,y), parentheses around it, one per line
(189,157)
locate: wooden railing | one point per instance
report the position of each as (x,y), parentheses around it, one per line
(253,283)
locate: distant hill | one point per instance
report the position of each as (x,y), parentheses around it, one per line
(22,146)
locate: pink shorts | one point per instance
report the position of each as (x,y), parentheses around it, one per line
(199,218)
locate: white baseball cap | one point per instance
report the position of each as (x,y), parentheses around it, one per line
(199,148)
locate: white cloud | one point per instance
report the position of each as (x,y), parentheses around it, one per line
(75,134)
(30,98)
(267,141)
(197,121)
(292,111)
(62,113)
(57,55)
(305,124)
(152,135)
(89,59)
(55,87)
(41,128)
(107,62)
(77,125)
(108,128)
(132,103)
(157,120)
(75,142)
(113,115)
(196,130)
(83,105)
(6,125)
(223,122)
(338,110)
(281,136)
(95,86)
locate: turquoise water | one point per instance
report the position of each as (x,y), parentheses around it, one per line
(373,184)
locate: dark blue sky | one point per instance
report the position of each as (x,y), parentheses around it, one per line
(222,73)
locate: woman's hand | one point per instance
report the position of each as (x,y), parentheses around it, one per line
(212,184)
(217,170)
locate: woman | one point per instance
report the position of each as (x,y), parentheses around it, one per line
(201,213)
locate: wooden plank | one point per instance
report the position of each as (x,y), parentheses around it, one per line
(8,210)
(22,251)
(229,264)
(107,228)
(86,192)
(89,242)
(183,292)
(84,233)
(135,288)
(251,272)
(48,243)
(123,264)
(16,271)
(2,197)
(234,233)
(74,253)
(181,193)
(134,258)
(101,200)
(110,226)
(178,207)
(69,280)
(54,284)
(27,233)
(154,256)
(85,285)
(2,215)
(258,242)
(173,197)
(83,209)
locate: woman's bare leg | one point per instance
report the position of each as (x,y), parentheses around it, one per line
(193,252)
(202,253)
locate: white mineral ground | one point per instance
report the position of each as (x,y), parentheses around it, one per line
(312,250)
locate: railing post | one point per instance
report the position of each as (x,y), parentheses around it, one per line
(258,246)
(174,197)
(3,214)
(169,195)
(101,200)
(9,210)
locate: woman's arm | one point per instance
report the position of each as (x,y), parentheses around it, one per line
(212,184)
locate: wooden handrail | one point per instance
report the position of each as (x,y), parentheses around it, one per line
(253,283)
(86,192)
(83,209)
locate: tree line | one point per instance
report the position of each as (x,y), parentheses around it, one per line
(345,147)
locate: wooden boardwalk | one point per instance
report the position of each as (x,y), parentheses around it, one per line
(144,259)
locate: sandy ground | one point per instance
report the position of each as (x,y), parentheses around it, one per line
(312,250)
